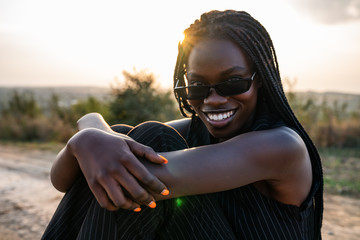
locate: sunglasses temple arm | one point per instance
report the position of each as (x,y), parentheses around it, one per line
(177,83)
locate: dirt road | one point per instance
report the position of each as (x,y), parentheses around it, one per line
(27,199)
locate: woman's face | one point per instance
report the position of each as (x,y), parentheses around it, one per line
(212,61)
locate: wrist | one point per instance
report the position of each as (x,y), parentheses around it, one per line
(79,140)
(93,120)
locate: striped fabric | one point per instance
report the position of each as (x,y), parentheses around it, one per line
(255,216)
(241,213)
(79,216)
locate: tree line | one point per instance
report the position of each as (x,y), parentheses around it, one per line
(135,100)
(138,99)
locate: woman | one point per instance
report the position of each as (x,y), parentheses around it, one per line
(251,170)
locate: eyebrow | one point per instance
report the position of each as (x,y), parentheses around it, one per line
(223,73)
(232,69)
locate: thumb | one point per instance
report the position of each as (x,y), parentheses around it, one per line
(145,152)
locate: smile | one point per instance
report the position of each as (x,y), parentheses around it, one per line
(220,116)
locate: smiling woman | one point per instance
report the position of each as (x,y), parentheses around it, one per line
(216,62)
(242,165)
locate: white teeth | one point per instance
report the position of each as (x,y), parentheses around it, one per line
(220,116)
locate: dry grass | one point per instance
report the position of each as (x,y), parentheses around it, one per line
(341,171)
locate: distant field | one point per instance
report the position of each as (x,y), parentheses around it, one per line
(351,100)
(341,171)
(69,95)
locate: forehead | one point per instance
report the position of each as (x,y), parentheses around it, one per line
(217,55)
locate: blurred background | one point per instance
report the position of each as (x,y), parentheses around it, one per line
(62,59)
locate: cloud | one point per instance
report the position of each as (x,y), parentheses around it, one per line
(330,11)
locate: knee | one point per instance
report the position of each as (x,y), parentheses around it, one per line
(122,128)
(159,136)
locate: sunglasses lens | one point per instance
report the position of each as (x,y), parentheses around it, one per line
(197,92)
(227,88)
(233,88)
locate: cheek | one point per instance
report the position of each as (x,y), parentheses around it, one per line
(249,96)
(195,103)
(248,100)
(245,97)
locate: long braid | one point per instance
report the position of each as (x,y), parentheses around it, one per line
(241,28)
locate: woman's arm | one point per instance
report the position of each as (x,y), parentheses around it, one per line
(277,156)
(66,168)
(92,151)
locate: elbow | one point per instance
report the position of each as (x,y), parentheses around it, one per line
(58,185)
(63,170)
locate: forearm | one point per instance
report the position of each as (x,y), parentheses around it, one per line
(201,171)
(230,164)
(66,167)
(64,170)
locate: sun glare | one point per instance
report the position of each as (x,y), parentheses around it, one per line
(90,43)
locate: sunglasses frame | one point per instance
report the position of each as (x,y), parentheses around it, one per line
(183,88)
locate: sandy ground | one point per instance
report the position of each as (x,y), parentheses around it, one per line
(27,199)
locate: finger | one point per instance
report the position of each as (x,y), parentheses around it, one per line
(145,178)
(102,197)
(146,152)
(116,195)
(135,190)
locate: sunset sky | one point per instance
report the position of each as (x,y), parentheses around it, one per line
(62,43)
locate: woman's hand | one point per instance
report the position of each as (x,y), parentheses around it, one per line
(113,171)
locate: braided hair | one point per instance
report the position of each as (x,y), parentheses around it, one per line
(245,31)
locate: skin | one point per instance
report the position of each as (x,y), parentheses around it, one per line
(213,61)
(281,170)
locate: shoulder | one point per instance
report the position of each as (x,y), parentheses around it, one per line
(181,125)
(286,139)
(280,139)
(288,166)
(276,151)
(284,144)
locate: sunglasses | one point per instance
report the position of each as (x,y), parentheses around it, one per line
(233,86)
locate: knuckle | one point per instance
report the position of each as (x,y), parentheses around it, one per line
(124,205)
(113,168)
(106,205)
(141,196)
(148,149)
(126,159)
(92,183)
(120,203)
(101,176)
(112,208)
(149,179)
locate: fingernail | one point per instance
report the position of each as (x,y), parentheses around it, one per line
(152,204)
(137,209)
(164,159)
(165,192)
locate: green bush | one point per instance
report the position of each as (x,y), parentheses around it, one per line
(133,102)
(138,99)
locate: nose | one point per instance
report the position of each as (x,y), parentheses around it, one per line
(214,98)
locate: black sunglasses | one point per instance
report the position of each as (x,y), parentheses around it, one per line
(233,86)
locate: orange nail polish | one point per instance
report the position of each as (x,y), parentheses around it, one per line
(152,204)
(165,192)
(164,159)
(137,209)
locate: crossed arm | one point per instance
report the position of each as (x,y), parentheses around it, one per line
(109,160)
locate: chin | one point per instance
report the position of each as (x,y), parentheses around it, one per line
(223,134)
